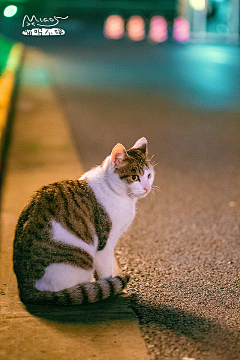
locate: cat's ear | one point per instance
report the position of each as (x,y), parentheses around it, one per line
(118,155)
(141,144)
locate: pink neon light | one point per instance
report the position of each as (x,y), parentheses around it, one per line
(181,29)
(158,29)
(136,28)
(114,27)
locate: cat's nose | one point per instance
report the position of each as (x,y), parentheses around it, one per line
(146,188)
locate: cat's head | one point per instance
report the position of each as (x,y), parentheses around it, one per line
(133,168)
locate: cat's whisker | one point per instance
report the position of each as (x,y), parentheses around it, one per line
(154,191)
(156,188)
(153,196)
(153,164)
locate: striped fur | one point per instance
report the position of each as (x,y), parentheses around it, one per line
(79,294)
(68,230)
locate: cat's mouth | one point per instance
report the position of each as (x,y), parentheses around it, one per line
(146,192)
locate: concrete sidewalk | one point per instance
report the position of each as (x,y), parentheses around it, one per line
(42,152)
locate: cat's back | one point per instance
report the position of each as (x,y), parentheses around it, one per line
(71,203)
(66,202)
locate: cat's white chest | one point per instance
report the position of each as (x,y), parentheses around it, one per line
(121,215)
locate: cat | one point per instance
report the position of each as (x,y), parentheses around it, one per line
(65,236)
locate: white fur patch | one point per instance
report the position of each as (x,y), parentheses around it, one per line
(62,276)
(64,236)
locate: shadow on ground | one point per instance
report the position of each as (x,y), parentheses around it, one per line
(116,308)
(180,327)
(168,322)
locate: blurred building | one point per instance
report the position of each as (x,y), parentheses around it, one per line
(211,19)
(99,9)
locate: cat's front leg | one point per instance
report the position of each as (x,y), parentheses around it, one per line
(116,268)
(103,262)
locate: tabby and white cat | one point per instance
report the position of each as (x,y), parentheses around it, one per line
(67,232)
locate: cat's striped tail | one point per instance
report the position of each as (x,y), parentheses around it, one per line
(80,294)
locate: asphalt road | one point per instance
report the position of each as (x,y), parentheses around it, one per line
(182,250)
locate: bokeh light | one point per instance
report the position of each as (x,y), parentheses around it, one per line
(114,27)
(10,11)
(181,29)
(136,28)
(198,5)
(158,31)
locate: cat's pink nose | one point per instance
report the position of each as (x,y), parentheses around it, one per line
(146,188)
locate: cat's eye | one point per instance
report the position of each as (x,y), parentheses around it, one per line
(135,178)
(149,175)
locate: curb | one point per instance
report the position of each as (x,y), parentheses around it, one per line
(7,85)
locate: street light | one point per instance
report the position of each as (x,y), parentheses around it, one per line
(199,18)
(136,28)
(198,5)
(10,10)
(158,31)
(114,27)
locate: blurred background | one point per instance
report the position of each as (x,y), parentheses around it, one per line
(208,19)
(185,51)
